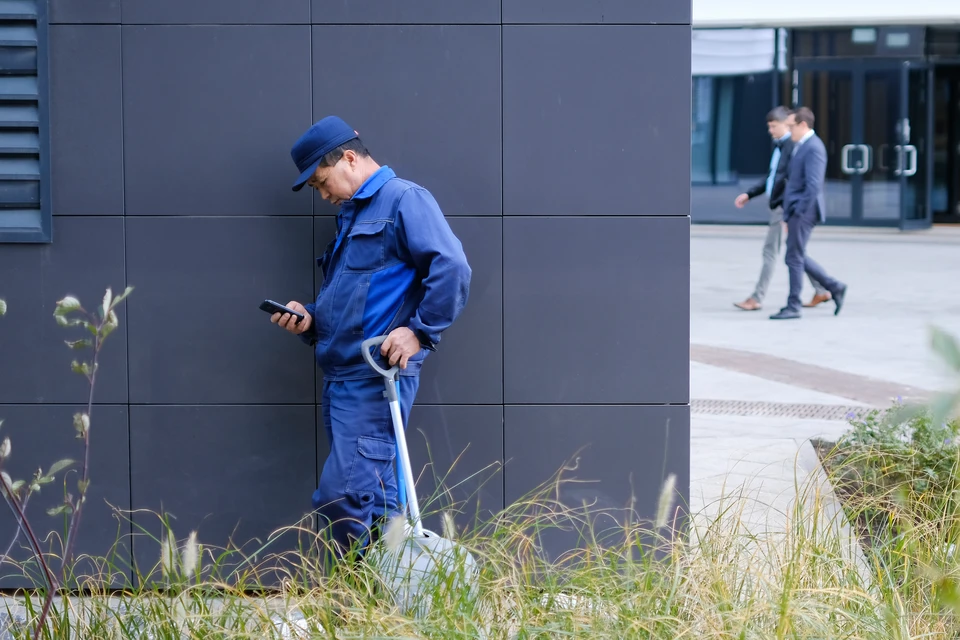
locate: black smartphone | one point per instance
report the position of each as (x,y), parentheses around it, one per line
(272,307)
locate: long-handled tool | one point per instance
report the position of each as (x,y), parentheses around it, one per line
(424,564)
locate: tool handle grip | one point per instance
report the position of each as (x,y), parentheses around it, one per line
(365,347)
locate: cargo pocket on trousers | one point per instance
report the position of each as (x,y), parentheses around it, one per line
(372,465)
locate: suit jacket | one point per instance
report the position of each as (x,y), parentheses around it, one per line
(803,194)
(779,177)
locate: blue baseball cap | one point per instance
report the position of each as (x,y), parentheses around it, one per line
(319,140)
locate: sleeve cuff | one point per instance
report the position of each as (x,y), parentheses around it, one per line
(309,336)
(425,341)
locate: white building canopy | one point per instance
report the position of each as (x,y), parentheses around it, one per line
(725,52)
(823,13)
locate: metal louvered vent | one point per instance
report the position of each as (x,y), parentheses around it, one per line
(24,194)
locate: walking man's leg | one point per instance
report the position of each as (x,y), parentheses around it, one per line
(771,250)
(798,232)
(837,289)
(820,293)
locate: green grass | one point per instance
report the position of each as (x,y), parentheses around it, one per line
(719,579)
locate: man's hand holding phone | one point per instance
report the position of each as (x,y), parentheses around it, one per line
(288,321)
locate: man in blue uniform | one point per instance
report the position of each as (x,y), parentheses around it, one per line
(395,268)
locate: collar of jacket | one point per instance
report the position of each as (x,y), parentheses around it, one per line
(372,184)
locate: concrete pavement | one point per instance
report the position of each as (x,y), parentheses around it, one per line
(761,389)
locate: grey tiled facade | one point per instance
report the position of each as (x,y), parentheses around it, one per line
(559,152)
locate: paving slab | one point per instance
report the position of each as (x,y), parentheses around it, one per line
(757,385)
(716,383)
(899,286)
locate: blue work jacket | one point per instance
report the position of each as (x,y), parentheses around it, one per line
(394,263)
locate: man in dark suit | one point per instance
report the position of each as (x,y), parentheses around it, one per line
(804,206)
(772,186)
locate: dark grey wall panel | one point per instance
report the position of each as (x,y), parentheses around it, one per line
(596,11)
(456,454)
(409,11)
(210,114)
(171,171)
(86,137)
(612,454)
(43,434)
(324,232)
(596,120)
(468,365)
(596,310)
(265,461)
(85,11)
(425,100)
(216,12)
(84,259)
(196,334)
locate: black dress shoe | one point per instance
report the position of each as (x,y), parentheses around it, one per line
(838,296)
(786,314)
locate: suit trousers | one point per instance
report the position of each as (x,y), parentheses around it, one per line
(771,251)
(799,228)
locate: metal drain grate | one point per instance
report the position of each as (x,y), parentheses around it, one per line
(777,409)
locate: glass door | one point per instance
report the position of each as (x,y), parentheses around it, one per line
(873,118)
(881,122)
(915,148)
(830,91)
(945,140)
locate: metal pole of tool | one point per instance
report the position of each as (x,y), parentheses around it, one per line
(401,485)
(392,392)
(407,471)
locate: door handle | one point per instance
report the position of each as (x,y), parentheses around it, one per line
(880,162)
(911,154)
(898,150)
(867,158)
(845,159)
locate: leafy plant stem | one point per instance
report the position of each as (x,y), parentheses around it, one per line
(18,513)
(75,516)
(16,534)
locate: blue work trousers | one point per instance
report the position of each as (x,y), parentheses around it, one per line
(358,484)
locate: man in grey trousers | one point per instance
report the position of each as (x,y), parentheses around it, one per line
(773,187)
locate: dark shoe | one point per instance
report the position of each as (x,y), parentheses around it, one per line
(818,298)
(786,314)
(750,304)
(838,297)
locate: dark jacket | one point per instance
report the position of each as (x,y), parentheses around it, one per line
(394,263)
(780,177)
(803,195)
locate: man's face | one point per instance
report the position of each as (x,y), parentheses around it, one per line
(797,131)
(336,183)
(777,129)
